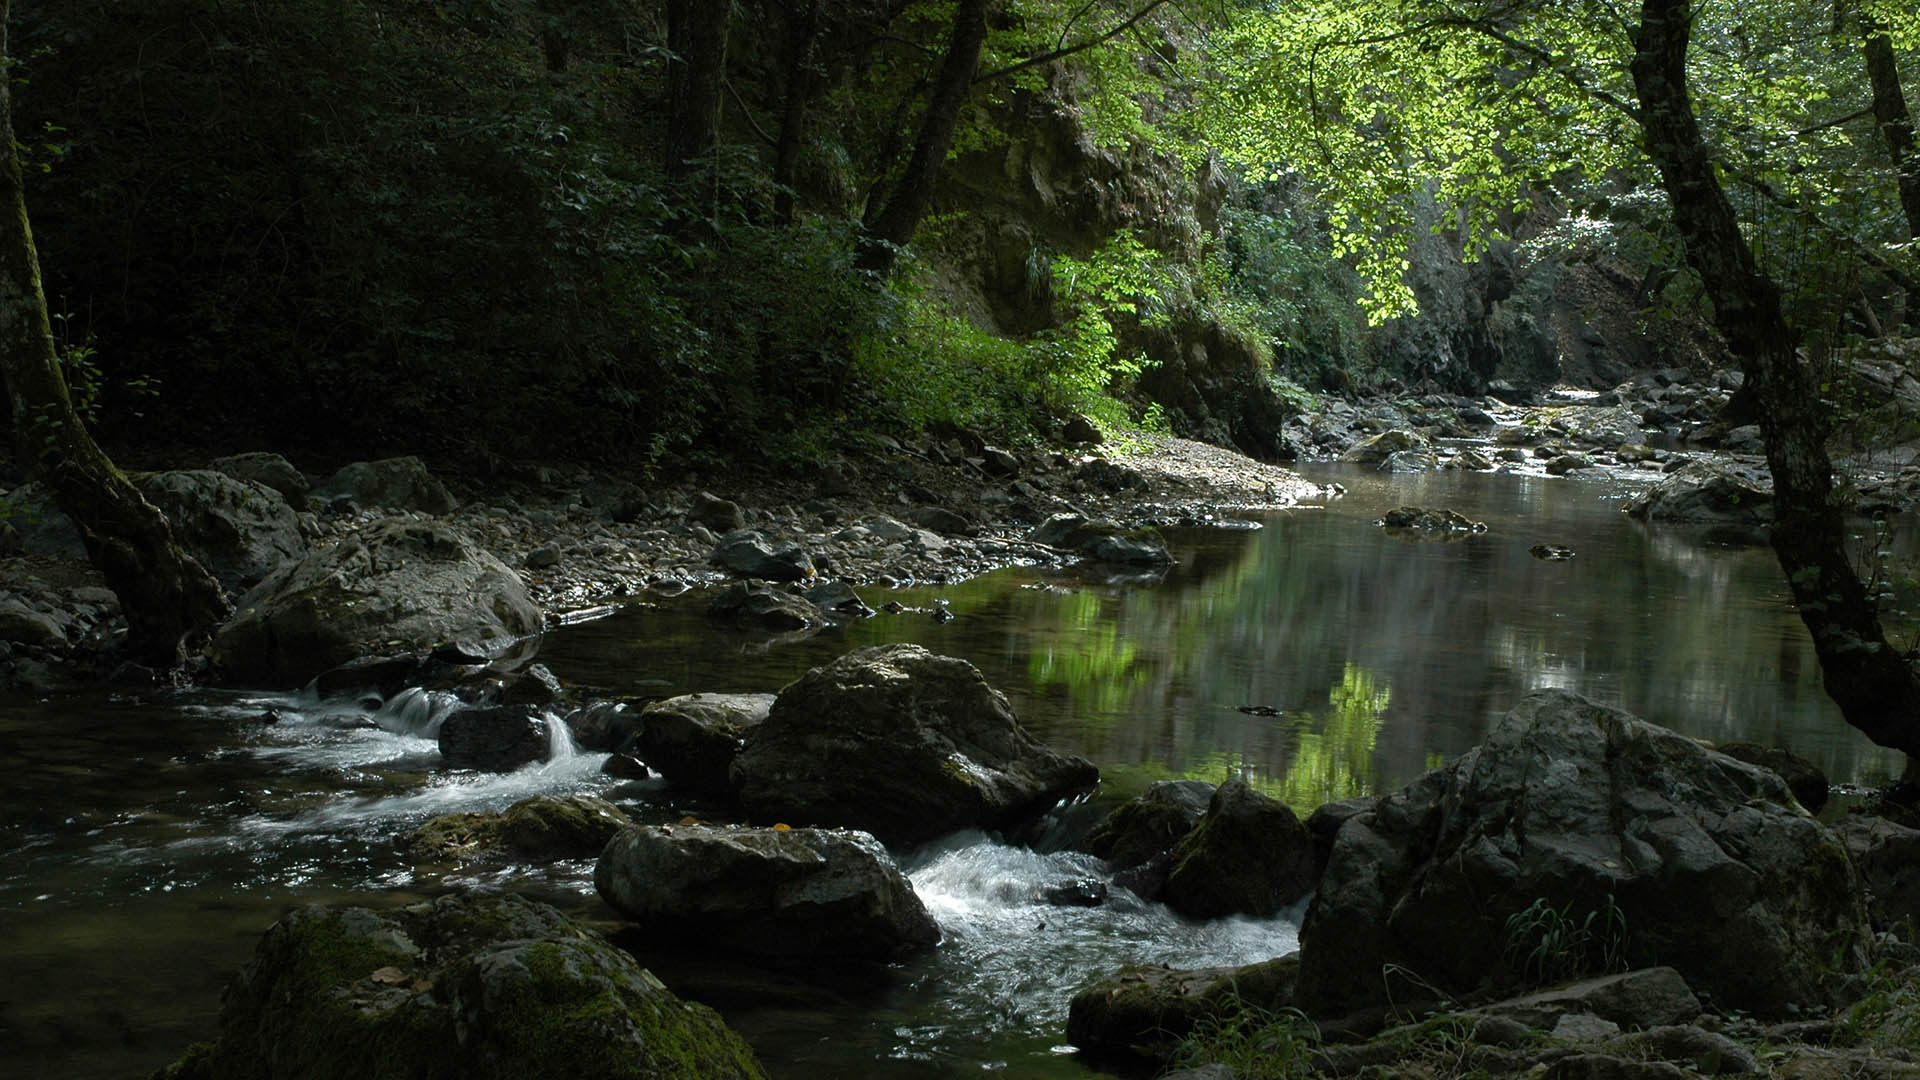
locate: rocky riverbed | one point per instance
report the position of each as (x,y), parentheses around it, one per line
(928,511)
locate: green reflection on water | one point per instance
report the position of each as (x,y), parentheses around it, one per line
(1335,757)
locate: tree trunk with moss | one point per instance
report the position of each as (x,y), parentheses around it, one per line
(1876,688)
(169,600)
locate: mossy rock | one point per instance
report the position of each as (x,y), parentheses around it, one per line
(457,988)
(541,827)
(1144,1012)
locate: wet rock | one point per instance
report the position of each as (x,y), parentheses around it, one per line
(1248,856)
(263,467)
(398,586)
(542,557)
(1550,552)
(1710,864)
(768,892)
(1803,777)
(1746,439)
(1704,493)
(1103,541)
(903,743)
(1888,855)
(720,515)
(1605,428)
(1378,449)
(541,827)
(491,988)
(766,608)
(500,739)
(1080,431)
(401,483)
(748,552)
(625,767)
(536,685)
(1142,1013)
(693,739)
(1146,827)
(1425,520)
(1475,460)
(1635,453)
(1099,474)
(1086,892)
(1563,464)
(605,727)
(839,598)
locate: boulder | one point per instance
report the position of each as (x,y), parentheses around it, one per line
(1248,856)
(768,892)
(44,528)
(541,827)
(1702,492)
(693,739)
(1378,449)
(1150,825)
(500,739)
(1562,464)
(1580,835)
(1607,427)
(1103,541)
(488,988)
(748,552)
(1888,855)
(720,515)
(1409,461)
(263,467)
(942,520)
(401,483)
(605,727)
(765,608)
(1646,998)
(1143,1013)
(397,586)
(240,530)
(903,743)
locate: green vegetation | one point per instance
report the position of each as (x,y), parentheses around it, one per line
(1547,944)
(1256,1043)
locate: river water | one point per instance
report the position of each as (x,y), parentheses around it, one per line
(145,842)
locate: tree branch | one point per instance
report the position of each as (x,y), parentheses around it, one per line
(1835,122)
(1069,50)
(748,113)
(1895,273)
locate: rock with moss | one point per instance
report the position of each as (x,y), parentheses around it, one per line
(1705,493)
(494,987)
(1377,450)
(400,586)
(766,891)
(1143,1013)
(1422,519)
(692,739)
(541,827)
(1578,838)
(1248,856)
(1137,839)
(902,743)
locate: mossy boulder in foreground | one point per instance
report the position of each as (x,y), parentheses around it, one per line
(495,987)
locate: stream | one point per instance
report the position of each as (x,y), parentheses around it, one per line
(146,840)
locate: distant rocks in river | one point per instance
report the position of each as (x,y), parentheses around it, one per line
(1435,522)
(401,483)
(1104,541)
(1703,492)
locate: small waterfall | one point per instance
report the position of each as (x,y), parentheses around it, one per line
(415,711)
(560,744)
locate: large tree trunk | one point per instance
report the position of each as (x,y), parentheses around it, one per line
(1895,120)
(1877,689)
(802,27)
(696,73)
(907,202)
(169,600)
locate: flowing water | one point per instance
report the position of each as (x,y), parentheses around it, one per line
(146,841)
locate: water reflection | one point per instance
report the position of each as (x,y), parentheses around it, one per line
(1383,654)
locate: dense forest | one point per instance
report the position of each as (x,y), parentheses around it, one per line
(467,227)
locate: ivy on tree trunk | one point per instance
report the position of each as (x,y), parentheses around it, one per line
(169,600)
(1876,688)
